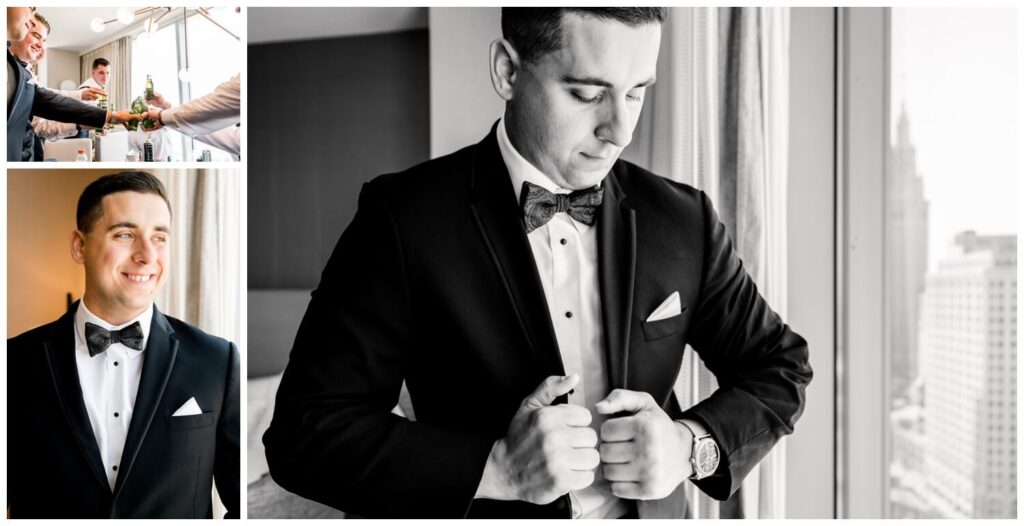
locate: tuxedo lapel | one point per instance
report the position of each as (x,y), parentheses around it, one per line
(616,259)
(500,222)
(160,353)
(60,356)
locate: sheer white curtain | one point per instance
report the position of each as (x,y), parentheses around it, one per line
(717,121)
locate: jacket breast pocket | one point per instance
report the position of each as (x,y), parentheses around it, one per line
(656,330)
(190,421)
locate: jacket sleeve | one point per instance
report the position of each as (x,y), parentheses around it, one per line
(333,437)
(56,107)
(226,469)
(761,365)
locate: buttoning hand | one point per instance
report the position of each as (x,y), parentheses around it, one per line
(645,454)
(548,452)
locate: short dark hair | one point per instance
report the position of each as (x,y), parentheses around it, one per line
(100,62)
(90,203)
(535,31)
(42,21)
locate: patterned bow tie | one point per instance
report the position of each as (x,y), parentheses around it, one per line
(99,338)
(540,205)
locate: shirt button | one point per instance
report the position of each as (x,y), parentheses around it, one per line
(568,314)
(116,414)
(564,241)
(115,364)
(115,468)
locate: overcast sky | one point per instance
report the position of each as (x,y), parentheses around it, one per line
(955,69)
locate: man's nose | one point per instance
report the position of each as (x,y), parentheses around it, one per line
(145,251)
(615,127)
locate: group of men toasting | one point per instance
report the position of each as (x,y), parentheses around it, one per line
(534,292)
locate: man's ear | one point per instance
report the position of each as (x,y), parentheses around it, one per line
(78,247)
(504,68)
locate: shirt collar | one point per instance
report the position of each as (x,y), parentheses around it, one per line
(83,315)
(520,170)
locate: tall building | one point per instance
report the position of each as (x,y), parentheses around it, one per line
(906,256)
(969,365)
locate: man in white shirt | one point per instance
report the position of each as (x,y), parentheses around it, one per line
(100,75)
(122,411)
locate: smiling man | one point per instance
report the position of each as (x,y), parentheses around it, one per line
(116,410)
(537,295)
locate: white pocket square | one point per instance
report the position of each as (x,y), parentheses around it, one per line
(189,408)
(668,308)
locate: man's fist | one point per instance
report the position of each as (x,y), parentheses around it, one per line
(645,454)
(92,93)
(548,452)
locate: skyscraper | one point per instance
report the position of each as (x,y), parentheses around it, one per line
(969,365)
(907,256)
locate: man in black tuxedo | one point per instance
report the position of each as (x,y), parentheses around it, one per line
(531,269)
(116,410)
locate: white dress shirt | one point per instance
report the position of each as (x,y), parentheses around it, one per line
(565,252)
(91,83)
(110,381)
(161,139)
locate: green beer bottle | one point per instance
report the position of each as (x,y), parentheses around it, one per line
(149,87)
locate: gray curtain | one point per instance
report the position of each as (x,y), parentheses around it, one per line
(119,53)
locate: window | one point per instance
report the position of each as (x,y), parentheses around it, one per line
(162,54)
(950,236)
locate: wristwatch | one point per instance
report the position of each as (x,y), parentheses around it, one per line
(704,455)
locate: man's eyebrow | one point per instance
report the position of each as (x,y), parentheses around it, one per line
(594,81)
(129,224)
(122,224)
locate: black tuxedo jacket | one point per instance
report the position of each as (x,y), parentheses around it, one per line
(168,464)
(434,283)
(29,100)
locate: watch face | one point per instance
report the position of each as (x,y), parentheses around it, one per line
(707,457)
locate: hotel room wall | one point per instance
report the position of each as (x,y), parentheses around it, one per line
(341,112)
(40,218)
(60,66)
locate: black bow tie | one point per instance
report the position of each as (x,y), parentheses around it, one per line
(99,338)
(540,205)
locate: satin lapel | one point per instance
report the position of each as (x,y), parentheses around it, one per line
(500,222)
(616,259)
(161,350)
(60,356)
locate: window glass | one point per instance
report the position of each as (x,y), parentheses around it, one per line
(951,264)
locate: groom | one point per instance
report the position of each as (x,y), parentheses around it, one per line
(116,410)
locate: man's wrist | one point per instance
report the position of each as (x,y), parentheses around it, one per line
(494,484)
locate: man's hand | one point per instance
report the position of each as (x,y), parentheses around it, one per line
(549,450)
(92,93)
(122,117)
(645,454)
(159,101)
(154,117)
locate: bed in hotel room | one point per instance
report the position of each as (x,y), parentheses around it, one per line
(274,316)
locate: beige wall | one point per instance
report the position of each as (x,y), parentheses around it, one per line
(463,105)
(60,66)
(40,218)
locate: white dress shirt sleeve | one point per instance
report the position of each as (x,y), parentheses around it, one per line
(212,112)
